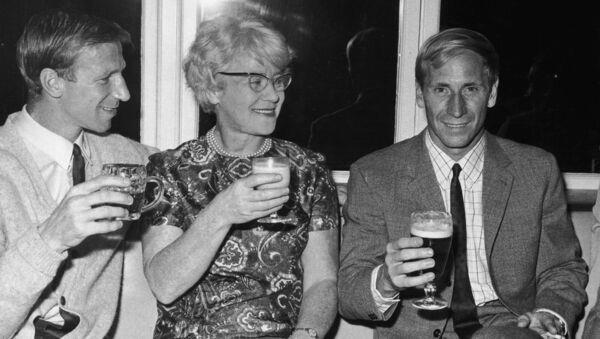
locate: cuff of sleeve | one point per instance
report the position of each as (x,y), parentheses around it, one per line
(38,254)
(383,304)
(562,320)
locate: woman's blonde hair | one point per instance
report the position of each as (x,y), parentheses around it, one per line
(218,41)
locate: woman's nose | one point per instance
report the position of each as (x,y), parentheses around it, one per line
(270,94)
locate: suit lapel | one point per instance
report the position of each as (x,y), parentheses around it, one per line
(422,185)
(497,184)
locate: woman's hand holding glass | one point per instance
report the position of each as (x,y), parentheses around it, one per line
(282,166)
(241,202)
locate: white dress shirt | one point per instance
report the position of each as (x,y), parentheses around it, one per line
(51,152)
(471,181)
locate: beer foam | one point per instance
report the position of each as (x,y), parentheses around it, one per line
(431,229)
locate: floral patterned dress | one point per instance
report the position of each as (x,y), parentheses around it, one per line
(254,285)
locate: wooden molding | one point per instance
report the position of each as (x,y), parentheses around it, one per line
(169,112)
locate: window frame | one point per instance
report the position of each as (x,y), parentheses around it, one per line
(170,115)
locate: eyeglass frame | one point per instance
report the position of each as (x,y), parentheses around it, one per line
(271,80)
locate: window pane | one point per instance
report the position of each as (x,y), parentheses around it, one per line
(550,66)
(319,32)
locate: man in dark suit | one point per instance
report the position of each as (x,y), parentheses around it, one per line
(517,268)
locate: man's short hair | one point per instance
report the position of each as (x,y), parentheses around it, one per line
(441,47)
(53,39)
(220,40)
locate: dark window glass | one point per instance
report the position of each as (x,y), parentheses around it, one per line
(13,16)
(549,76)
(361,107)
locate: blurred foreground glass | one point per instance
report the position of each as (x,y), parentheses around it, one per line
(435,228)
(139,178)
(278,165)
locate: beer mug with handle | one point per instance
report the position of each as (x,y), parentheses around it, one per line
(139,178)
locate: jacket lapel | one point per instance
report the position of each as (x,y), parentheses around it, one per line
(422,185)
(497,184)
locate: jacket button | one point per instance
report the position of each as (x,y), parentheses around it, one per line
(437,333)
(63,301)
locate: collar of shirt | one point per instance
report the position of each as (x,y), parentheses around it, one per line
(471,163)
(56,148)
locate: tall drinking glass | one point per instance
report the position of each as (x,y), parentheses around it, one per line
(281,166)
(436,230)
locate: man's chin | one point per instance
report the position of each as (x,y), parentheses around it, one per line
(99,129)
(463,143)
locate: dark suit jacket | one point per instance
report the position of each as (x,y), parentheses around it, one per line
(532,251)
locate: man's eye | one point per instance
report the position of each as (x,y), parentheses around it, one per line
(472,89)
(104,80)
(440,90)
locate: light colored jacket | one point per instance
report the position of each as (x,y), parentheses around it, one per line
(33,277)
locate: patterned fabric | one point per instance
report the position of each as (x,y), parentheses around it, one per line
(254,286)
(471,180)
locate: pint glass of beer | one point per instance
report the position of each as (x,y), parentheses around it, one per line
(436,230)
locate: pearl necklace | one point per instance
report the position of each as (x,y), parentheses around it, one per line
(216,146)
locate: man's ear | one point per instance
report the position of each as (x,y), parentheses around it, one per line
(493,95)
(420,100)
(51,82)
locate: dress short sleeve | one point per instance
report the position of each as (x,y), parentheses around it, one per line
(325,206)
(173,208)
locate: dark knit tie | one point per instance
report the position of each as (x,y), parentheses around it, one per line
(464,312)
(78,167)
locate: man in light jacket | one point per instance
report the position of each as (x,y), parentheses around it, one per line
(61,245)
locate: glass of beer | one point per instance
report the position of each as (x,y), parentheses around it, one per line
(435,228)
(138,177)
(281,166)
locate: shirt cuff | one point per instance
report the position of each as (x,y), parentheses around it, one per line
(383,304)
(562,320)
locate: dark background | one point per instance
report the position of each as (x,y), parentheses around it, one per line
(318,30)
(549,50)
(555,103)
